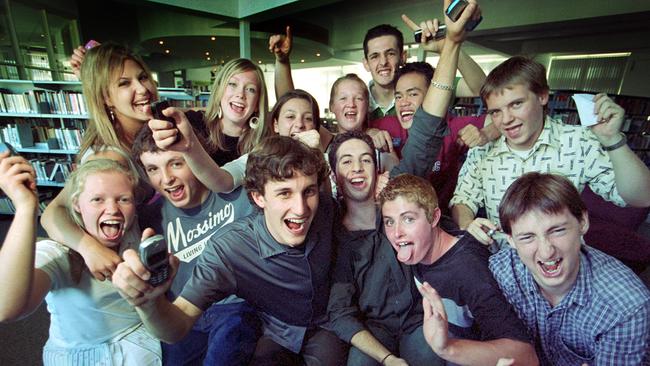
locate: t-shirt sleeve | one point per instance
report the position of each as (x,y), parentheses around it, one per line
(237,169)
(213,277)
(469,190)
(52,258)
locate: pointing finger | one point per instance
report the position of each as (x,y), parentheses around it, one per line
(411,24)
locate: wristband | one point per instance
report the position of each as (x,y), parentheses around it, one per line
(385,357)
(618,144)
(442,86)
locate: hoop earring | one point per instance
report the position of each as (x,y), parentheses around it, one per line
(254,122)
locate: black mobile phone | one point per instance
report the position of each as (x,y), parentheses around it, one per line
(454,11)
(378,159)
(7,147)
(158,107)
(442,31)
(153,254)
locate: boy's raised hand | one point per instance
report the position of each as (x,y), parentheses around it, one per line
(281,44)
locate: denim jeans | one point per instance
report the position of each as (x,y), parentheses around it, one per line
(225,334)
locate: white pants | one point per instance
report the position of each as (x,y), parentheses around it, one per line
(138,348)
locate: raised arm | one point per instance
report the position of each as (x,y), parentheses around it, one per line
(166,321)
(22,287)
(203,166)
(631,174)
(280,45)
(473,76)
(429,126)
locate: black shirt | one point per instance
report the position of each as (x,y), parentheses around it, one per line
(221,157)
(476,308)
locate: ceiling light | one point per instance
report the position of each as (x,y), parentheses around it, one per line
(167,51)
(213,38)
(207,53)
(208,58)
(303,60)
(317,54)
(593,55)
(259,61)
(161,42)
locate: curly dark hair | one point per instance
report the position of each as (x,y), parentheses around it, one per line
(279,158)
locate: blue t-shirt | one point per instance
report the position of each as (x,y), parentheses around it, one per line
(188,230)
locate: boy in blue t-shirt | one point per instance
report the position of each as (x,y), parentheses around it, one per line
(188,214)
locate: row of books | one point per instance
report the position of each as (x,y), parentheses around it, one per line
(52,170)
(634,106)
(23,135)
(561,101)
(18,135)
(466,110)
(43,102)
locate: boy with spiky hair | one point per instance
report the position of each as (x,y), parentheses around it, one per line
(482,326)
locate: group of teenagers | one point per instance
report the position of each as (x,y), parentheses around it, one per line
(292,245)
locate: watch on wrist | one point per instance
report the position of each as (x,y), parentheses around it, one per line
(621,143)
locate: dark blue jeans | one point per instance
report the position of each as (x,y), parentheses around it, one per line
(410,346)
(225,334)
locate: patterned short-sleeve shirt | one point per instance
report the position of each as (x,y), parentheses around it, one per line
(567,150)
(603,320)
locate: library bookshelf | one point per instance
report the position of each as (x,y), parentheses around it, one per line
(45,121)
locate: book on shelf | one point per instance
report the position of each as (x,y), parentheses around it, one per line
(31,131)
(52,170)
(18,135)
(43,102)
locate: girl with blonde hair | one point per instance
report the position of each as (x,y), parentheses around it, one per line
(90,323)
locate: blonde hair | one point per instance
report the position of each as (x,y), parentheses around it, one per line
(98,69)
(77,181)
(413,189)
(250,136)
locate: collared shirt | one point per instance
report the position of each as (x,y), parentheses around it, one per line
(375,110)
(371,288)
(603,320)
(570,151)
(289,287)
